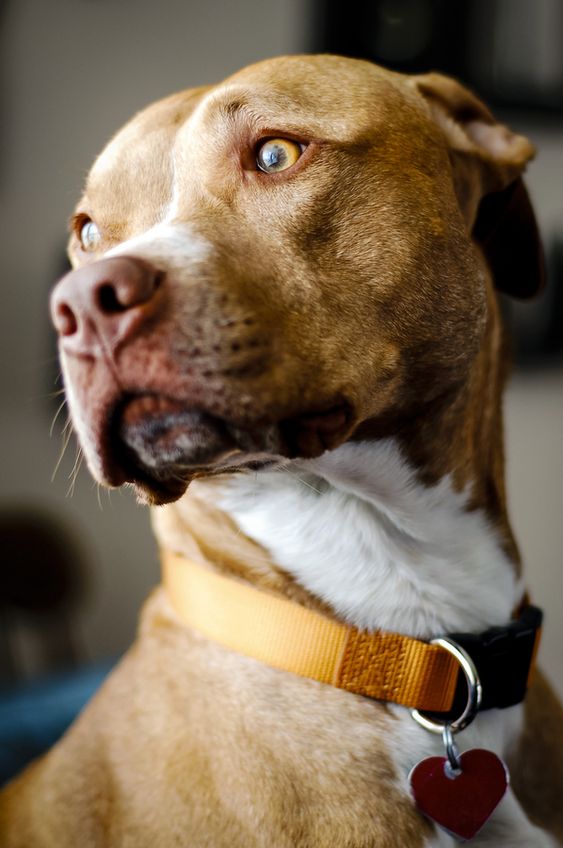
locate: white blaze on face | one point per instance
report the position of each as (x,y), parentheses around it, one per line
(175,245)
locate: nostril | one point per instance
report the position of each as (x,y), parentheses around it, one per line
(134,288)
(108,301)
(66,322)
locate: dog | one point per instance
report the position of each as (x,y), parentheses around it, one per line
(283,330)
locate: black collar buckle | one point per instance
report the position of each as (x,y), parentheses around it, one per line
(504,659)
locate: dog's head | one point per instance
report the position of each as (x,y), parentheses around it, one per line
(264,265)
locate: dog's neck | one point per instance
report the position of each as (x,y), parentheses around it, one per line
(405,533)
(357,531)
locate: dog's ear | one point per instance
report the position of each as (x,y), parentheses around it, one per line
(507,231)
(488,160)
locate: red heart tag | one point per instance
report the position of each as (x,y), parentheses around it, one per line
(461,803)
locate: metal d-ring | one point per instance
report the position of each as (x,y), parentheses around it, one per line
(474,692)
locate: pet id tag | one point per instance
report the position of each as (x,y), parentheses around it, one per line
(459,792)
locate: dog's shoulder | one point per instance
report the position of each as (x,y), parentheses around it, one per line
(537,763)
(64,797)
(181,746)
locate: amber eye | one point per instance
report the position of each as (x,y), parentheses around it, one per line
(277,154)
(89,236)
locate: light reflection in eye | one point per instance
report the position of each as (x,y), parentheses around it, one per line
(278,154)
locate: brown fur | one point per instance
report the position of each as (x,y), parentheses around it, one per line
(352,286)
(190,705)
(537,763)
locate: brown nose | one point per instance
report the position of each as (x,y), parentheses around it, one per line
(102,305)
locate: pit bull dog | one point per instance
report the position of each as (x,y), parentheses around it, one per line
(282,329)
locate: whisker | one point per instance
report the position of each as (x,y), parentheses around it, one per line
(67,433)
(77,463)
(57,413)
(51,395)
(67,427)
(300,479)
(73,476)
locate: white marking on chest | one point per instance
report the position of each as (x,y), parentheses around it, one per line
(357,529)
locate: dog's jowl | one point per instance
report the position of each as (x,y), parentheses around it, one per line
(282,329)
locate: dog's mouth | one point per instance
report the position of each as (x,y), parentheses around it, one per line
(160,444)
(162,432)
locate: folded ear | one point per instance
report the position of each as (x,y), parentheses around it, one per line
(507,231)
(487,161)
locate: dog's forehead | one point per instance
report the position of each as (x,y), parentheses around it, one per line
(325,85)
(329,97)
(137,163)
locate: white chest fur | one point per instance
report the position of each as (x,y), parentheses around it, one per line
(358,530)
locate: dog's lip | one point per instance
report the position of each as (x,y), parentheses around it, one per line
(153,432)
(159,443)
(134,409)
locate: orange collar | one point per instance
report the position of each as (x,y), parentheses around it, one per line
(285,635)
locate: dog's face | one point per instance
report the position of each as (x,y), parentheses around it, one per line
(264,265)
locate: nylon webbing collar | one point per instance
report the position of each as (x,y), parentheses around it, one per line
(380,665)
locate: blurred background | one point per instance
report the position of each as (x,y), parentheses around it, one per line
(76,563)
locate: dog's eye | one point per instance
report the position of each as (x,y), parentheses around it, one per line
(89,236)
(277,154)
